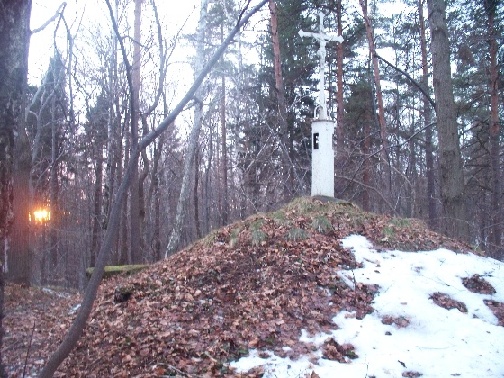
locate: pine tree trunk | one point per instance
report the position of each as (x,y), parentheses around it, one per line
(450,161)
(427,116)
(379,98)
(366,149)
(340,117)
(282,104)
(496,232)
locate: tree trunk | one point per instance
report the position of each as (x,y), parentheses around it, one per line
(154,200)
(379,97)
(19,256)
(224,162)
(366,149)
(142,210)
(97,203)
(3,373)
(113,135)
(14,44)
(496,249)
(282,104)
(157,201)
(340,116)
(427,116)
(135,216)
(195,194)
(124,256)
(450,161)
(193,137)
(208,182)
(54,195)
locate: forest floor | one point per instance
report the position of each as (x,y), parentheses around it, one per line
(255,286)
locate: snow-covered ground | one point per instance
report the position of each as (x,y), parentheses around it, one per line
(436,342)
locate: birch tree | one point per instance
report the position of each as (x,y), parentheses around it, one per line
(185,191)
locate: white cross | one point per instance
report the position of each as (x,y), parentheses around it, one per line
(323,38)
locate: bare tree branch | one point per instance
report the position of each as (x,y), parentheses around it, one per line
(60,10)
(413,81)
(377,191)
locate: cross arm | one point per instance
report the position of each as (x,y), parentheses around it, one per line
(322,36)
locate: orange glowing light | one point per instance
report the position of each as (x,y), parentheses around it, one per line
(40,216)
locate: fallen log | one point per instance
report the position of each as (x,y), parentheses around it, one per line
(112,270)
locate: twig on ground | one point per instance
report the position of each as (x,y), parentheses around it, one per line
(28,350)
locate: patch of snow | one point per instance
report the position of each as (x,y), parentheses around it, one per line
(59,294)
(436,342)
(74,309)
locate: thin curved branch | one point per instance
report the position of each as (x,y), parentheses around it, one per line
(59,12)
(413,81)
